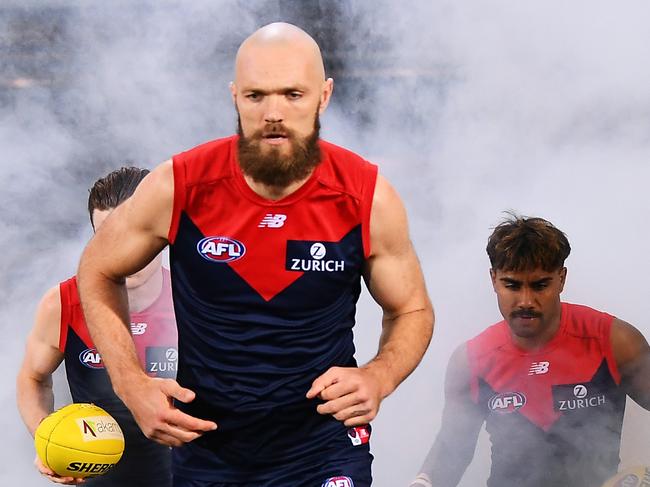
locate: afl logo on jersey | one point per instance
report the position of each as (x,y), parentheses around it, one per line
(220,249)
(91,359)
(338,482)
(507,402)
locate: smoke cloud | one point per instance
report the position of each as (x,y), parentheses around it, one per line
(470,109)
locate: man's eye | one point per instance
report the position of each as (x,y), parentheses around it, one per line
(294,95)
(254,96)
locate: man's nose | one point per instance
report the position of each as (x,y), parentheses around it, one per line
(273,109)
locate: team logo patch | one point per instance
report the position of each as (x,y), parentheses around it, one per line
(359,435)
(220,249)
(338,482)
(162,361)
(91,359)
(507,402)
(271,220)
(310,256)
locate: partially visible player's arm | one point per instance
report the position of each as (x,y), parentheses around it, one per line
(395,280)
(42,357)
(632,354)
(34,393)
(461,423)
(133,234)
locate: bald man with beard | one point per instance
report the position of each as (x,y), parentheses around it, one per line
(270,234)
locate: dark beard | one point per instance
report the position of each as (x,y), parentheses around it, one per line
(273,168)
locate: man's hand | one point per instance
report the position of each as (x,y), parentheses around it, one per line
(151,403)
(50,475)
(352,395)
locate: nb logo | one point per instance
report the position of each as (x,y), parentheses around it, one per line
(271,220)
(537,368)
(138,328)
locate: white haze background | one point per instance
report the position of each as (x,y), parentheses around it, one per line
(539,107)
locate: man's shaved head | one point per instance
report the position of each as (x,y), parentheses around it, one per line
(279,92)
(281,34)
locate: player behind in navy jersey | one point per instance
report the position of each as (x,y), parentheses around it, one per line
(550,381)
(60,334)
(270,233)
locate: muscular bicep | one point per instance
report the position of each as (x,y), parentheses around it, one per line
(136,231)
(393,272)
(42,354)
(632,355)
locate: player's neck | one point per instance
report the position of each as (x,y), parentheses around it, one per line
(141,297)
(275,193)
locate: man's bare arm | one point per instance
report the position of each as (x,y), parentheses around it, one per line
(461,423)
(395,281)
(134,233)
(632,354)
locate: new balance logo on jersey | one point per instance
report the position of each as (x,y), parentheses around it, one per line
(537,368)
(338,482)
(138,328)
(271,220)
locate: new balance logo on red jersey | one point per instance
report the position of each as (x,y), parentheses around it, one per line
(537,368)
(271,220)
(138,328)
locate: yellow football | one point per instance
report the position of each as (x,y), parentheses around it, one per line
(638,476)
(79,440)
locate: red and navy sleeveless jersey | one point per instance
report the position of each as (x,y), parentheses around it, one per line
(265,294)
(554,415)
(154,334)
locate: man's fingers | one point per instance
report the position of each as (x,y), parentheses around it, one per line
(325,380)
(339,404)
(171,388)
(338,389)
(183,421)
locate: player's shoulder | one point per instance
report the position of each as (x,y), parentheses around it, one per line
(207,161)
(491,339)
(50,303)
(585,321)
(345,170)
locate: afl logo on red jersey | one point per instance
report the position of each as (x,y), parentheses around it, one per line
(220,249)
(507,402)
(91,359)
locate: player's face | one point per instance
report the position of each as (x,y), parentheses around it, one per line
(143,275)
(530,302)
(279,93)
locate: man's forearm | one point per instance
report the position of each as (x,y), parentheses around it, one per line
(403,341)
(35,400)
(105,306)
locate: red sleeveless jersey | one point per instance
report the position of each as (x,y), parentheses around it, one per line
(265,295)
(554,415)
(154,333)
